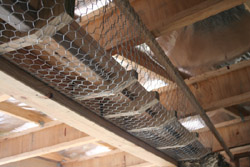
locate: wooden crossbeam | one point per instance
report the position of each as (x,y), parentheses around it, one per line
(58,137)
(38,162)
(74,114)
(216,89)
(21,113)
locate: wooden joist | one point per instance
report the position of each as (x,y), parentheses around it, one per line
(73,113)
(211,88)
(21,113)
(58,137)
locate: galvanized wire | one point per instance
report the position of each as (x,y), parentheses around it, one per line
(102,61)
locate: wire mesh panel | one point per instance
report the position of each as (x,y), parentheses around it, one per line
(99,59)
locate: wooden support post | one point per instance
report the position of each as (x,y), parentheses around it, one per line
(133,17)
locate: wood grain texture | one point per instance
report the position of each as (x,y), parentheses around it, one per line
(44,141)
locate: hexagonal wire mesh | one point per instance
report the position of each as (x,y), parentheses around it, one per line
(99,59)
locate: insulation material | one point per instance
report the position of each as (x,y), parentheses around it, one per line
(85,151)
(9,123)
(208,44)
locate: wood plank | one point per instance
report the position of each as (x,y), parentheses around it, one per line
(38,162)
(216,89)
(73,113)
(114,160)
(235,135)
(58,137)
(21,113)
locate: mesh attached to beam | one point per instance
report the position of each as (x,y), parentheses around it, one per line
(99,59)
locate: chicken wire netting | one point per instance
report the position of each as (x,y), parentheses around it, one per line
(94,55)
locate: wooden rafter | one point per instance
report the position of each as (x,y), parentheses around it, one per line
(24,114)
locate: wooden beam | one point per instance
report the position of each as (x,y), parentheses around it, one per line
(21,113)
(58,137)
(38,162)
(234,135)
(216,89)
(73,114)
(120,159)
